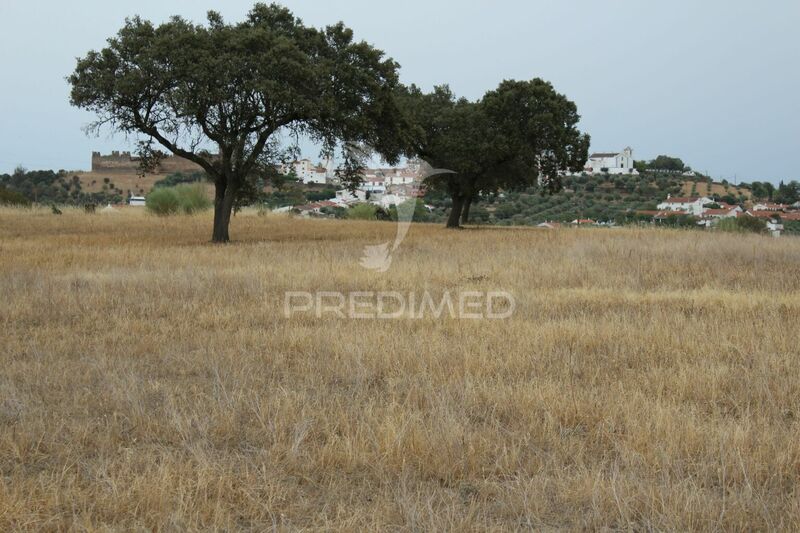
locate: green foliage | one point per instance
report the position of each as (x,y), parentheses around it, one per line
(318,196)
(791,227)
(362,212)
(163,201)
(788,193)
(679,221)
(662,163)
(762,191)
(743,224)
(193,198)
(8,197)
(335,212)
(611,200)
(186,198)
(421,213)
(285,198)
(180,177)
(279,180)
(520,135)
(48,187)
(270,72)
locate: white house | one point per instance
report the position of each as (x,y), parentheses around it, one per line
(775,228)
(692,205)
(306,172)
(346,196)
(400,177)
(137,201)
(388,200)
(392,176)
(611,162)
(374,184)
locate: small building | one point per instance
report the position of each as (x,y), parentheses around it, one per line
(388,200)
(349,197)
(692,205)
(775,227)
(611,162)
(137,201)
(306,172)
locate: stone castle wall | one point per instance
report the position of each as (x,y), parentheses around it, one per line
(125,162)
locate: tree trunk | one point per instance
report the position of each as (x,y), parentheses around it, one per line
(223,205)
(465,210)
(455,211)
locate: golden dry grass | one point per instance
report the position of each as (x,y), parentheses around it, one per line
(125,181)
(647,380)
(717,189)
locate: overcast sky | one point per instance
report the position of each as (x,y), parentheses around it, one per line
(714,82)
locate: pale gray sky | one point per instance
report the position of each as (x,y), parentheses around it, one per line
(716,82)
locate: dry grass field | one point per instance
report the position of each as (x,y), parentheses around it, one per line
(716,189)
(125,181)
(648,379)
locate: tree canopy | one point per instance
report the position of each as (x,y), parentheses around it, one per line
(521,134)
(663,163)
(222,95)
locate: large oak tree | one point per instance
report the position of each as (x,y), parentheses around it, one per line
(521,134)
(222,95)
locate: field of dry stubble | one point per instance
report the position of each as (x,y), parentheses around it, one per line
(648,379)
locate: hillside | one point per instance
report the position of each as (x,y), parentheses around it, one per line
(124,181)
(704,188)
(601,197)
(79,188)
(150,378)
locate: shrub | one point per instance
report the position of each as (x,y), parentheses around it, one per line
(179,177)
(745,224)
(362,212)
(163,201)
(192,198)
(9,197)
(187,198)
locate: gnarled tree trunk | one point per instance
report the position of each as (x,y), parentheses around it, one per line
(465,210)
(224,197)
(455,211)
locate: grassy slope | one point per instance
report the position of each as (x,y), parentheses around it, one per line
(93,181)
(715,189)
(648,379)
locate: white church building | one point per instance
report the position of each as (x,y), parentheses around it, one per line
(611,162)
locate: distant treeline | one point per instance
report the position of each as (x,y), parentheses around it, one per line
(56,187)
